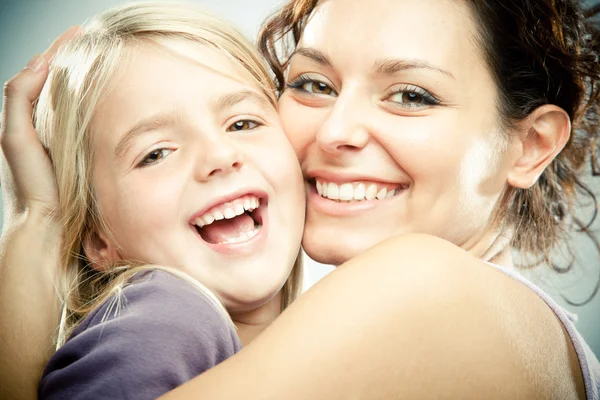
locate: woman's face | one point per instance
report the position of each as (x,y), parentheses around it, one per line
(192,170)
(392,113)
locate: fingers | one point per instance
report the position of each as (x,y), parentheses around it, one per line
(27,175)
(63,38)
(23,89)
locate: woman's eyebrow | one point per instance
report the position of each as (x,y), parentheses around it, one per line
(231,99)
(390,66)
(314,54)
(384,66)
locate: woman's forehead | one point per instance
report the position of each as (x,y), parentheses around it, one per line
(440,32)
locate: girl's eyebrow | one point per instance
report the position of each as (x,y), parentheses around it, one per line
(153,122)
(231,99)
(169,118)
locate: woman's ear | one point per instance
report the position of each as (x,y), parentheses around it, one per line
(544,134)
(99,250)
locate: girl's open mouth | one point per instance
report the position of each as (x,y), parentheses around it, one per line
(233,222)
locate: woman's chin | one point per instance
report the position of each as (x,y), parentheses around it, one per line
(328,251)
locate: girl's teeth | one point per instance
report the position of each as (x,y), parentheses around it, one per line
(356,191)
(228,210)
(208,219)
(229,213)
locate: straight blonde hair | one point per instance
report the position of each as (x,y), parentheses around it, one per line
(80,75)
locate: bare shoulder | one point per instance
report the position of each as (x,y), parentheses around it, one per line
(412,318)
(474,322)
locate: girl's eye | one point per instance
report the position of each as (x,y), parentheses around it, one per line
(243,125)
(311,86)
(413,97)
(154,157)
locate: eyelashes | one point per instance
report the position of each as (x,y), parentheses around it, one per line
(404,96)
(411,96)
(154,157)
(306,84)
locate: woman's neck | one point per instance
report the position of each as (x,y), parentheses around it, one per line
(251,323)
(494,247)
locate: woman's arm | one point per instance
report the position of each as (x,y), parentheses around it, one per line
(412,318)
(30,238)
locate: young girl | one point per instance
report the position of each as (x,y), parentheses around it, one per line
(421,98)
(161,125)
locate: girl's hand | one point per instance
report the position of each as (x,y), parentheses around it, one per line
(28,183)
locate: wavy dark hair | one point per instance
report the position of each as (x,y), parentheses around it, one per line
(539,52)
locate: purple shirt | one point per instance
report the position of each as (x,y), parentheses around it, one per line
(165,333)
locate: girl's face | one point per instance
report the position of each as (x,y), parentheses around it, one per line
(393,116)
(192,170)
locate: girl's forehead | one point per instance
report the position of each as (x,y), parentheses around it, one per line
(208,57)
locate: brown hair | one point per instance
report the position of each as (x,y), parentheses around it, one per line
(539,52)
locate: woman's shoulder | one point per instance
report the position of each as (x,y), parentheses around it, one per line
(478,318)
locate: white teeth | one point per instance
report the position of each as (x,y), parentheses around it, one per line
(333,191)
(346,192)
(371,192)
(208,219)
(228,210)
(229,213)
(355,191)
(359,192)
(242,236)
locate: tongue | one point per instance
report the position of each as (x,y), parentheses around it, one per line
(226,230)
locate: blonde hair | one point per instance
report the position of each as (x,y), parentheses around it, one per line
(81,73)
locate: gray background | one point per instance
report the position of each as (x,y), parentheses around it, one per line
(29,26)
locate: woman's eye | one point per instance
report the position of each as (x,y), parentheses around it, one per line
(408,98)
(155,156)
(413,98)
(243,125)
(311,86)
(318,88)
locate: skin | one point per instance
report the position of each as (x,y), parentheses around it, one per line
(352,120)
(202,152)
(350,124)
(489,336)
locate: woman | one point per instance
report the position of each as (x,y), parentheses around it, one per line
(420,69)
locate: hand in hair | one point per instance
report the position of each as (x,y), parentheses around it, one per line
(29,245)
(27,177)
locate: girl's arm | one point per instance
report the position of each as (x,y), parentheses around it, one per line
(412,318)
(30,238)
